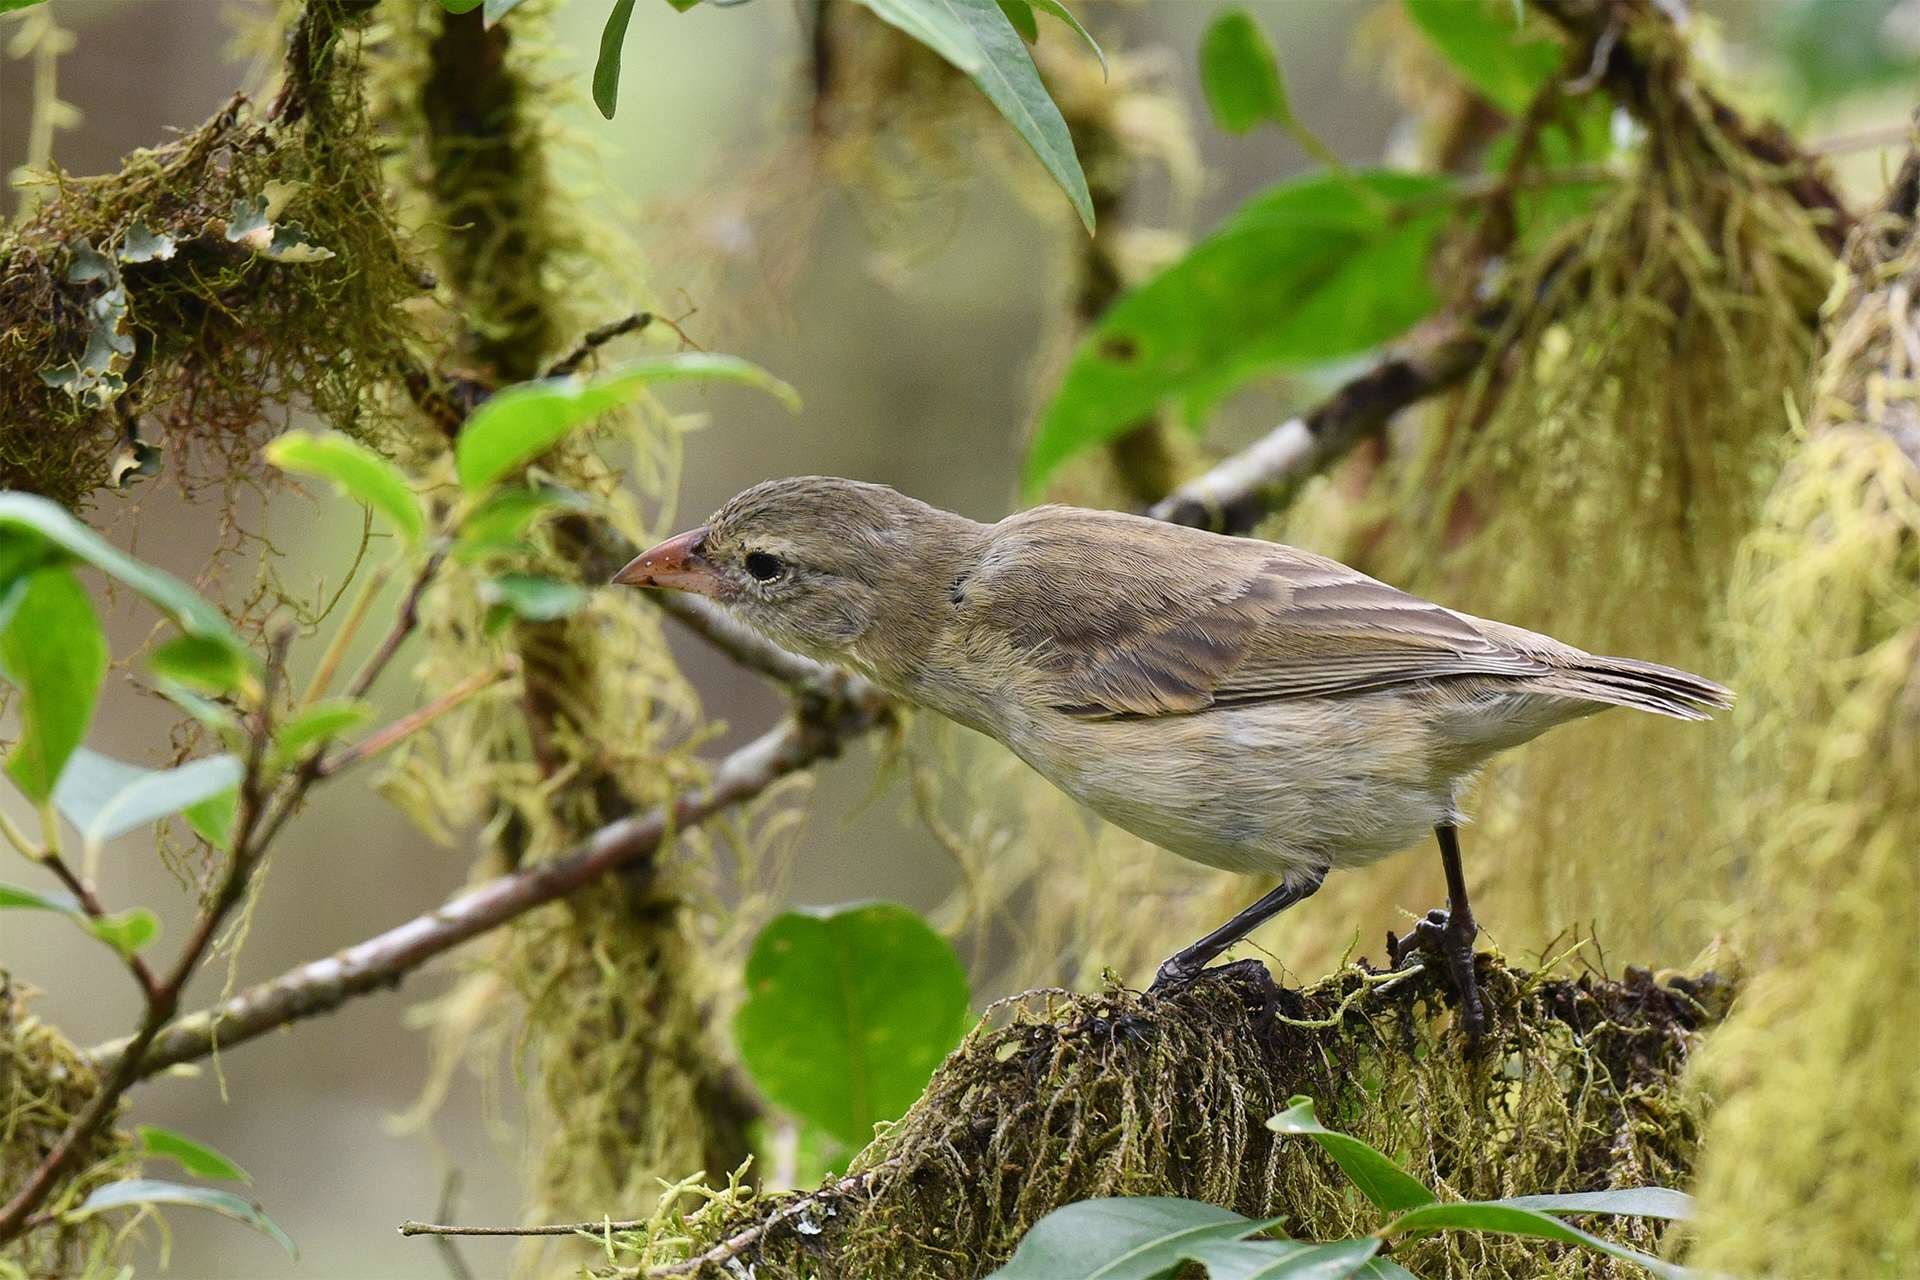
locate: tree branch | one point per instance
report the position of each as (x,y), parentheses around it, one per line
(90,903)
(843,708)
(1263,478)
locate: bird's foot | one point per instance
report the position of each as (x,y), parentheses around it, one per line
(1181,971)
(1450,939)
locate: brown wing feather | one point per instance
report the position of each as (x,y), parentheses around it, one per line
(1150,620)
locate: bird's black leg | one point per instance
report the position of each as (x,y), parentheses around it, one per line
(1449,934)
(1184,966)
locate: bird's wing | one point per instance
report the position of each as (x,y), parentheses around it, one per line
(1119,616)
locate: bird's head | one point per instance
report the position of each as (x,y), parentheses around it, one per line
(835,569)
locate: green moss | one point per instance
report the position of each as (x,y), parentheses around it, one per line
(1063,1097)
(1814,1166)
(223,337)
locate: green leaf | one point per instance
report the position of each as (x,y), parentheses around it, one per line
(1498,54)
(1640,1202)
(325,719)
(1379,1179)
(1121,1238)
(1384,1269)
(1240,75)
(196,1158)
(142,243)
(199,663)
(848,1012)
(1284,1259)
(125,931)
(500,523)
(1020,14)
(14,898)
(460,6)
(137,1191)
(1507,1220)
(938,24)
(1309,271)
(606,69)
(103,797)
(681,6)
(494,10)
(8,6)
(29,522)
(356,471)
(53,651)
(1009,79)
(531,598)
(212,818)
(524,421)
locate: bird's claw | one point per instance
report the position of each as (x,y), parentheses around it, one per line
(1451,941)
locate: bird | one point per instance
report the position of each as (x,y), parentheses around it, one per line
(1245,704)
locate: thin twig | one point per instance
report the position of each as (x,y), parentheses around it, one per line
(841,710)
(90,904)
(411,723)
(545,1229)
(596,339)
(734,1245)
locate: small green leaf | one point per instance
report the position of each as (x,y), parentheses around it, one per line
(212,818)
(937,24)
(500,523)
(848,1012)
(137,1191)
(1283,1259)
(1241,75)
(531,597)
(46,523)
(1121,1238)
(356,471)
(196,1158)
(1384,1269)
(142,243)
(15,898)
(494,10)
(522,422)
(324,720)
(103,797)
(1020,14)
(606,69)
(8,6)
(125,931)
(1490,45)
(1340,261)
(1379,1179)
(460,6)
(681,6)
(199,663)
(53,651)
(1507,1220)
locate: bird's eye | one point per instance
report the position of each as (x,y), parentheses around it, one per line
(764,567)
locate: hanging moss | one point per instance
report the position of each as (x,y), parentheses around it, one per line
(1814,1166)
(214,280)
(44,1083)
(1067,1097)
(1594,483)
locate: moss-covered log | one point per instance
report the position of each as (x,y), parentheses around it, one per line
(1070,1096)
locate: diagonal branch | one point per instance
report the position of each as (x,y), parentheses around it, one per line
(842,707)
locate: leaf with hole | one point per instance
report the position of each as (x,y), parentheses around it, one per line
(1492,47)
(356,471)
(103,797)
(145,1191)
(1379,1179)
(848,1012)
(197,1158)
(1341,264)
(53,651)
(522,422)
(1122,1238)
(34,529)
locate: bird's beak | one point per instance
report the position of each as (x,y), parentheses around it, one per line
(675,564)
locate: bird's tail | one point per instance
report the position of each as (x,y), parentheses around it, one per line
(1644,686)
